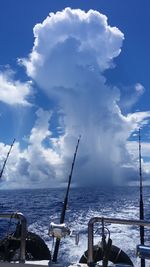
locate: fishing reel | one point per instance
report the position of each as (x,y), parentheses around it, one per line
(58,230)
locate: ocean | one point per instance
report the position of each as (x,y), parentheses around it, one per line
(42,206)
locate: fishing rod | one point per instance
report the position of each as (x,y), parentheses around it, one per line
(141,198)
(5,161)
(63,212)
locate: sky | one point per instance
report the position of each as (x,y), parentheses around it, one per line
(70,68)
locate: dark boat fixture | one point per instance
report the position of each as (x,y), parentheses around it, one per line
(22,245)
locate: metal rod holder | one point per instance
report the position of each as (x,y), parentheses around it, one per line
(107,220)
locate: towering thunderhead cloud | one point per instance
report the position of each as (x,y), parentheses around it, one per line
(72,49)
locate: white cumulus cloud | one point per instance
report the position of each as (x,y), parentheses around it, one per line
(72,49)
(36,166)
(67,42)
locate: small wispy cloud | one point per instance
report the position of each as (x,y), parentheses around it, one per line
(13,92)
(139,88)
(130,95)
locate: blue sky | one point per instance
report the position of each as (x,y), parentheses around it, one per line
(86,77)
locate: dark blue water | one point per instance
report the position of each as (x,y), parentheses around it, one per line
(44,206)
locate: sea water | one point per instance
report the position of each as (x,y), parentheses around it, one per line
(42,206)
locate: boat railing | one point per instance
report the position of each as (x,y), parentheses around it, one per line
(20,217)
(103,220)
